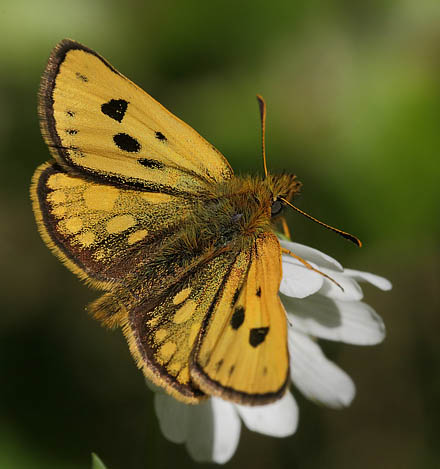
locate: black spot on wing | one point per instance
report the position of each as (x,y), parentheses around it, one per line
(71,131)
(237,317)
(81,77)
(149,163)
(258,291)
(70,113)
(160,136)
(127,143)
(257,335)
(115,109)
(231,370)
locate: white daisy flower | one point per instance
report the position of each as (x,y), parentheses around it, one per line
(316,308)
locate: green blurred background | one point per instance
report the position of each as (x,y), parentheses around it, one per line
(353,93)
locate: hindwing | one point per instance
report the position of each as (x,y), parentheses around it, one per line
(101,231)
(162,332)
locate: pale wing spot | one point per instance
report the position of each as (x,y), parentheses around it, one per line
(59,211)
(183,376)
(182,295)
(160,335)
(174,369)
(57,197)
(101,197)
(120,223)
(185,312)
(157,197)
(74,224)
(136,236)
(62,180)
(87,238)
(193,334)
(166,351)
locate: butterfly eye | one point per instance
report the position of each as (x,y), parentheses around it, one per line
(277,207)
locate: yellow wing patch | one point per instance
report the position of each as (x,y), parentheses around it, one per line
(99,122)
(242,352)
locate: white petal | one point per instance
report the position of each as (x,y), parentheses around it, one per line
(299,281)
(312,255)
(352,322)
(227,427)
(351,289)
(376,280)
(315,376)
(215,431)
(174,417)
(278,419)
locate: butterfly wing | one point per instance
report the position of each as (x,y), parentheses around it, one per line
(100,231)
(241,352)
(162,331)
(98,122)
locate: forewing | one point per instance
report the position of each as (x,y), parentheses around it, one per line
(100,231)
(162,332)
(241,353)
(99,122)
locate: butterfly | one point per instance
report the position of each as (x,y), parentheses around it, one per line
(137,204)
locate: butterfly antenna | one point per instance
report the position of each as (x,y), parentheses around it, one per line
(262,106)
(345,235)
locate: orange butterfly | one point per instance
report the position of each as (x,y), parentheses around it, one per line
(142,207)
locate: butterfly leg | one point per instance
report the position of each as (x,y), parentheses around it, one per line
(309,266)
(285,228)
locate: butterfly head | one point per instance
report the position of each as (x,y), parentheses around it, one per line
(281,187)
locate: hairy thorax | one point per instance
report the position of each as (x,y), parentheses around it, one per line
(238,210)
